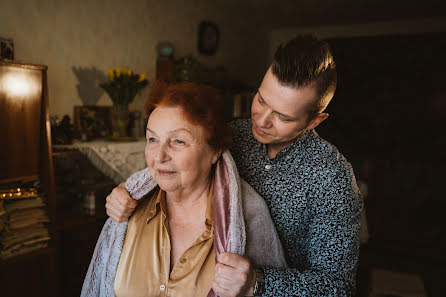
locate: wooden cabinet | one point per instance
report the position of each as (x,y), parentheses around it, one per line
(78,231)
(26,153)
(77,243)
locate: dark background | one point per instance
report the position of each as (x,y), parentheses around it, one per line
(387,117)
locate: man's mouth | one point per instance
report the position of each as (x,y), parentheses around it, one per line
(260,131)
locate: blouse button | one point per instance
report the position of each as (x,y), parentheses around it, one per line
(267,167)
(182,260)
(162,287)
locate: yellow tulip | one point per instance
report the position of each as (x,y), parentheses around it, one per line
(142,77)
(118,72)
(129,72)
(110,74)
(124,71)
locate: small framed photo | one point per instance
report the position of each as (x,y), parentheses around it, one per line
(6,49)
(93,121)
(208,38)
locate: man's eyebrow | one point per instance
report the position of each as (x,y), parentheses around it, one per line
(275,111)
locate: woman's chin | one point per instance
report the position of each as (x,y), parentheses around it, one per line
(166,186)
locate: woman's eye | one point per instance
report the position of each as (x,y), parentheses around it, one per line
(261,101)
(177,141)
(151,139)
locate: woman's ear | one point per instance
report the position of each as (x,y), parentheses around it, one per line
(216,156)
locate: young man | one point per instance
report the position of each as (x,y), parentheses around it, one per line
(307,184)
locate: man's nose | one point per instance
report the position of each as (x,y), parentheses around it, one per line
(264,119)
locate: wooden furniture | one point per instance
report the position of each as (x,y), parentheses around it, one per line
(78,232)
(26,152)
(165,69)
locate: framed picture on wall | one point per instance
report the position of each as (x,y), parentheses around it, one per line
(208,38)
(6,49)
(93,121)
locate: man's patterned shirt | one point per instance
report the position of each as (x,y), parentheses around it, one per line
(314,201)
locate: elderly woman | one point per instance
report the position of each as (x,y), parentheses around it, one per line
(194,206)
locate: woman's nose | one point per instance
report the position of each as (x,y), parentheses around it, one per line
(162,154)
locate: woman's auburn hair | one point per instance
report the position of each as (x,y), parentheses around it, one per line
(201,104)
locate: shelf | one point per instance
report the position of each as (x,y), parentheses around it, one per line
(63,152)
(50,250)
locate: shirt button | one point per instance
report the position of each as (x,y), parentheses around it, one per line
(267,167)
(182,260)
(162,287)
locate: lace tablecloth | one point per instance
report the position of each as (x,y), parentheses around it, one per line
(117,160)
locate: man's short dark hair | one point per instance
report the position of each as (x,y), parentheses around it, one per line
(303,61)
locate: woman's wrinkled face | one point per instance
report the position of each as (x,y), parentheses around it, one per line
(177,154)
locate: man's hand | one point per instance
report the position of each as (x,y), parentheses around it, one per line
(119,204)
(234,276)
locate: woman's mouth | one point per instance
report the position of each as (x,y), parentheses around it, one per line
(165,172)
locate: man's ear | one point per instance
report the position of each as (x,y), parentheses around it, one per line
(317,120)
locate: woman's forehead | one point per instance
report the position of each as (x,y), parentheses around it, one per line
(171,120)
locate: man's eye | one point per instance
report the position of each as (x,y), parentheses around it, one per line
(261,101)
(151,139)
(283,119)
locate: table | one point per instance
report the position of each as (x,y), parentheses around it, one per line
(117,160)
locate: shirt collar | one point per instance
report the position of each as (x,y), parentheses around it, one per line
(160,202)
(297,146)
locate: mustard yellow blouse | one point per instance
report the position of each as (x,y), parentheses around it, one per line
(144,264)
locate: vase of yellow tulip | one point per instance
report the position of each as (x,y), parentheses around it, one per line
(122,87)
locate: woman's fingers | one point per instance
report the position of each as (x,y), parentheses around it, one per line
(119,204)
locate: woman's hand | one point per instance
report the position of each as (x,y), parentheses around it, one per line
(234,276)
(119,204)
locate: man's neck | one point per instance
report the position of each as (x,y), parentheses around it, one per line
(275,148)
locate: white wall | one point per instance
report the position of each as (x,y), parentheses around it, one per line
(112,33)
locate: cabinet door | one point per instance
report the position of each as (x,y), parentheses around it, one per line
(31,276)
(77,246)
(20,112)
